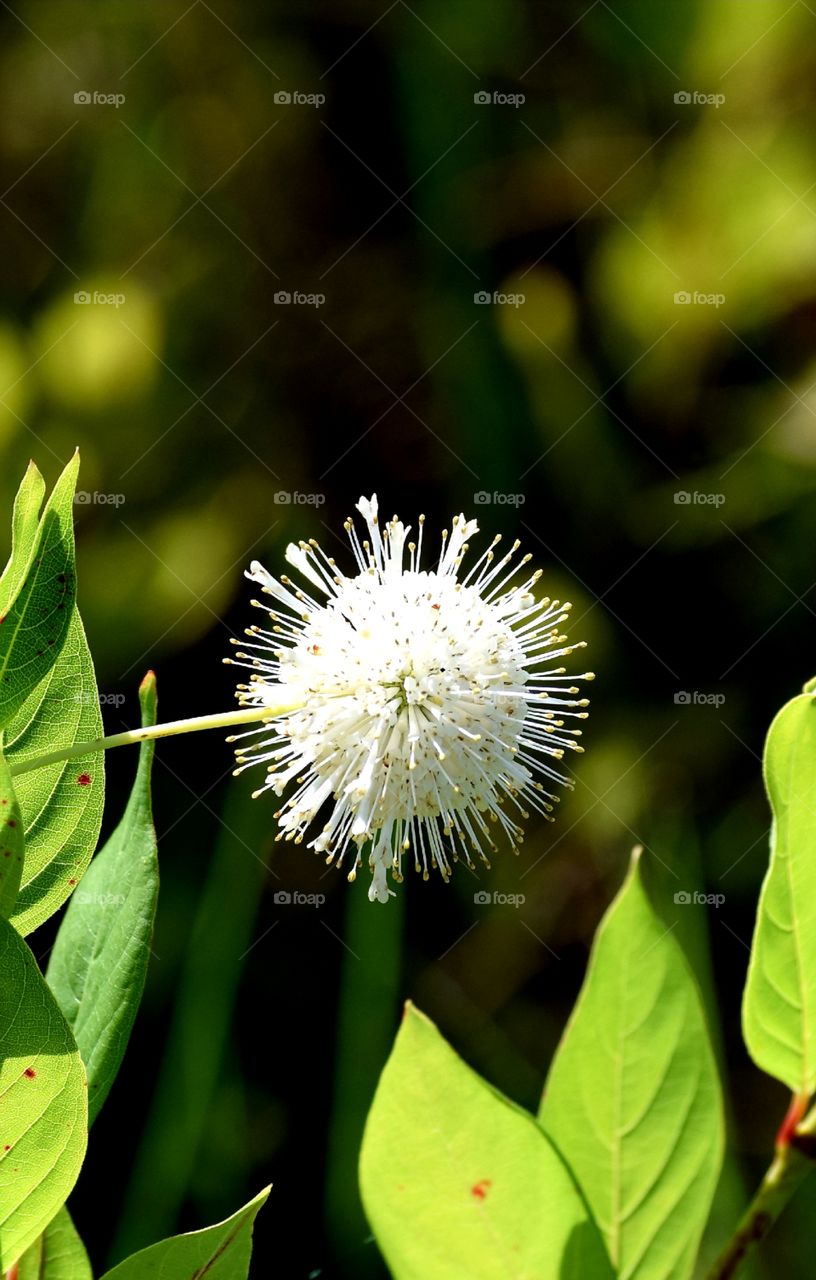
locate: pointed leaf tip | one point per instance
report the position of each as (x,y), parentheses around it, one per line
(633,1100)
(223,1250)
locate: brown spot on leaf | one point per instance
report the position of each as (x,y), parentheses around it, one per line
(84,779)
(29,1073)
(479,1190)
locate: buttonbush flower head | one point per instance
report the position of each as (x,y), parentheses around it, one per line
(433,709)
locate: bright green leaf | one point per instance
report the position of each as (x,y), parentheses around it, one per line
(633,1099)
(457,1181)
(779,1008)
(36,621)
(43,1101)
(12,842)
(24,522)
(58,1254)
(99,962)
(218,1253)
(61,804)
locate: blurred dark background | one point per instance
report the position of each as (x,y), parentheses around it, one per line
(634,189)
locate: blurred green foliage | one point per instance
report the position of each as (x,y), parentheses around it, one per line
(593,404)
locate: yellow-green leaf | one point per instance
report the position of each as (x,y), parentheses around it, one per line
(457,1181)
(12,841)
(61,804)
(35,623)
(779,1007)
(43,1101)
(58,1254)
(633,1098)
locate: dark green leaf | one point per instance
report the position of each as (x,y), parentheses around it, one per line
(218,1253)
(99,962)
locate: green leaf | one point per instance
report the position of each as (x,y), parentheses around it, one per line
(43,1101)
(61,804)
(99,962)
(779,1007)
(217,1253)
(35,623)
(633,1098)
(58,1254)
(24,522)
(12,841)
(457,1181)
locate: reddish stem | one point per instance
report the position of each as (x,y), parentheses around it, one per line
(793,1118)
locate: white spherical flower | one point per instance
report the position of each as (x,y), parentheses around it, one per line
(432,709)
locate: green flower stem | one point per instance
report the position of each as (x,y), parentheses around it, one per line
(222,720)
(793,1161)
